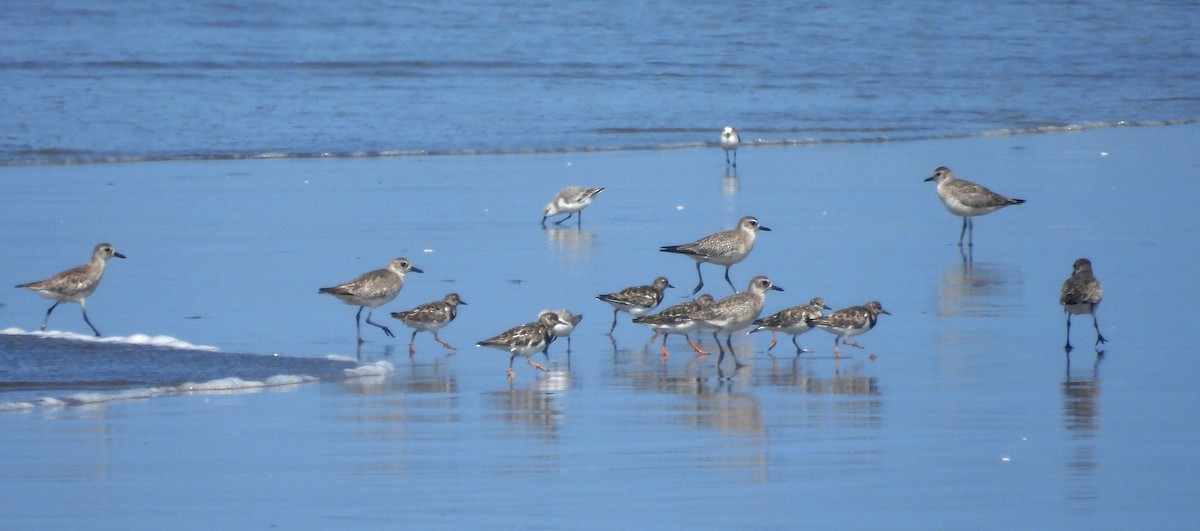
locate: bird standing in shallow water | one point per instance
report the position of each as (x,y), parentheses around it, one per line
(672,321)
(525,340)
(792,321)
(734,313)
(372,290)
(1081,294)
(569,201)
(849,322)
(729,141)
(76,284)
(967,199)
(566,324)
(723,248)
(432,317)
(637,301)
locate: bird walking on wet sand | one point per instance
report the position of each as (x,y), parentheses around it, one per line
(794,321)
(75,284)
(673,321)
(570,201)
(723,248)
(431,317)
(966,199)
(525,340)
(372,290)
(1081,294)
(734,313)
(849,322)
(565,325)
(729,141)
(636,301)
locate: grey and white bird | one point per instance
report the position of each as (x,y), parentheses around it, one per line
(566,323)
(372,290)
(734,313)
(723,248)
(794,321)
(430,317)
(1081,294)
(75,284)
(673,320)
(570,201)
(525,340)
(729,141)
(966,199)
(849,322)
(637,300)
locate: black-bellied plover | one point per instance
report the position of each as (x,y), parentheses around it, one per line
(734,313)
(967,199)
(76,284)
(372,290)
(723,248)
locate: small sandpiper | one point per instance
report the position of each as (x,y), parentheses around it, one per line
(569,201)
(849,322)
(673,321)
(566,323)
(729,141)
(792,321)
(1081,294)
(372,290)
(75,284)
(723,248)
(636,301)
(431,317)
(967,199)
(734,313)
(525,340)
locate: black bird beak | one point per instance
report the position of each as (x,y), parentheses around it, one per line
(416,270)
(118,255)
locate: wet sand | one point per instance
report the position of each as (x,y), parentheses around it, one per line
(969,414)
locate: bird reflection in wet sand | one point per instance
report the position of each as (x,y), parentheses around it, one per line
(979,289)
(729,182)
(1081,294)
(535,409)
(570,239)
(849,322)
(1081,418)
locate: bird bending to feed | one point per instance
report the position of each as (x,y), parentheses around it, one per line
(672,321)
(76,284)
(526,339)
(636,301)
(569,201)
(729,141)
(566,323)
(372,290)
(431,317)
(1081,294)
(967,199)
(723,248)
(849,322)
(792,321)
(734,313)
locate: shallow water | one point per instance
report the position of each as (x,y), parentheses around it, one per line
(970,414)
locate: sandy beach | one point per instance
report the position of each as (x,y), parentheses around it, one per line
(969,415)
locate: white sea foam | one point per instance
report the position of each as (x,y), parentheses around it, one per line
(379,368)
(218,386)
(135,339)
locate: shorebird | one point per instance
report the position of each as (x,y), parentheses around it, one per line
(673,321)
(636,301)
(566,324)
(1081,294)
(432,317)
(372,290)
(568,201)
(967,199)
(76,284)
(730,141)
(849,322)
(723,248)
(734,313)
(792,321)
(525,340)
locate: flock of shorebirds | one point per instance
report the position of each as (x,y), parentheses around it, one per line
(1080,294)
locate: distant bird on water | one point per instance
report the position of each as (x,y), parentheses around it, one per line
(723,248)
(431,316)
(1081,294)
(569,201)
(967,199)
(76,284)
(372,290)
(729,141)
